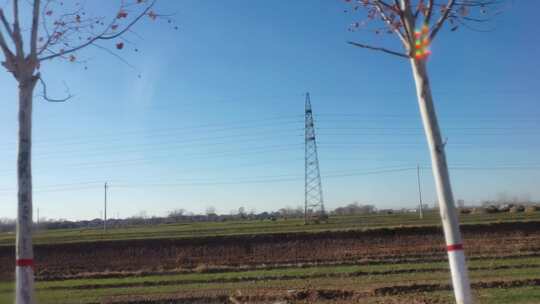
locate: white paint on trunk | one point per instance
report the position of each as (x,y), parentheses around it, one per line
(25,283)
(458,268)
(462,287)
(24,289)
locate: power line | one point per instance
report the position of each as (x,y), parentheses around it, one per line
(390,131)
(261,179)
(215,181)
(184,144)
(235,153)
(105,208)
(214,127)
(268,122)
(176,137)
(164,146)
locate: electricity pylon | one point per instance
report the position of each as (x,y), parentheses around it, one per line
(314,203)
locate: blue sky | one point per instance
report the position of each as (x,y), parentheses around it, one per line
(216,118)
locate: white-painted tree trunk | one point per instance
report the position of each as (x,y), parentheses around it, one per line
(24,290)
(452,234)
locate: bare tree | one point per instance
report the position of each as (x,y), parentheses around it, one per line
(177,214)
(210,211)
(416,24)
(242,211)
(54,30)
(354,208)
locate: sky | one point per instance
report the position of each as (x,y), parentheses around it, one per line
(216,116)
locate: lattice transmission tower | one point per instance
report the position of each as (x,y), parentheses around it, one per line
(314,203)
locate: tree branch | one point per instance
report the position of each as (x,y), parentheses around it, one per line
(384,4)
(50,36)
(6,23)
(402,16)
(103,35)
(115,55)
(46,97)
(17,36)
(427,20)
(409,22)
(3,44)
(34,31)
(5,48)
(365,46)
(442,18)
(378,4)
(470,27)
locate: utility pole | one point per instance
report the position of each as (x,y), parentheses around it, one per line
(37,220)
(313,204)
(105,210)
(420,192)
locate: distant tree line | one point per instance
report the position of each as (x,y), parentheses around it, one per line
(183,216)
(354,208)
(7,224)
(502,203)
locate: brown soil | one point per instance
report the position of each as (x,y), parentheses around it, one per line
(205,254)
(158,282)
(399,294)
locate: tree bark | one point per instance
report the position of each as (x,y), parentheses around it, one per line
(24,290)
(456,256)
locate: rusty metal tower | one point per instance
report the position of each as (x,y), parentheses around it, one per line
(314,203)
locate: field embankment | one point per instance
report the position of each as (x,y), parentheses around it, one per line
(377,265)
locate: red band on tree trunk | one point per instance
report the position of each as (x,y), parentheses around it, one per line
(25,262)
(454,247)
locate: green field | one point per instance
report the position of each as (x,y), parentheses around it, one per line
(202,229)
(424,278)
(350,277)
